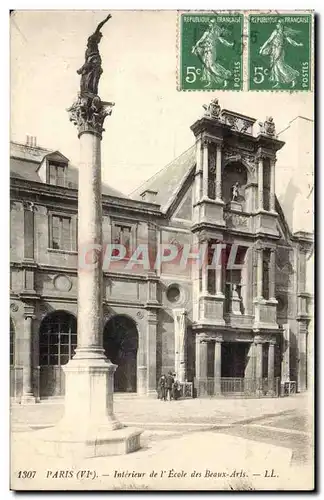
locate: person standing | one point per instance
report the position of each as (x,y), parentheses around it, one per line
(162,388)
(169,385)
(176,388)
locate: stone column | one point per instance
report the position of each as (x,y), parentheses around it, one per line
(285,364)
(217,367)
(250,365)
(198,187)
(204,268)
(141,358)
(302,356)
(219,271)
(271,360)
(272,274)
(151,351)
(272,185)
(89,375)
(218,182)
(180,331)
(88,421)
(260,184)
(258,363)
(201,365)
(27,393)
(28,231)
(259,273)
(205,169)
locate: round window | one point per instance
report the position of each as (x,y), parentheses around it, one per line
(173,293)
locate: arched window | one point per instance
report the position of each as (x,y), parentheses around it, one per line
(58,339)
(12,343)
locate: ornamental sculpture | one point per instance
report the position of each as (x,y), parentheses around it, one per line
(268,127)
(91,70)
(88,112)
(213,109)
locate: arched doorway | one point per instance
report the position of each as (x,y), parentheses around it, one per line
(57,343)
(120,341)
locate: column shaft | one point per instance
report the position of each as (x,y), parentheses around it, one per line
(27,360)
(258,364)
(260,184)
(90,244)
(217,367)
(259,273)
(198,177)
(205,169)
(151,352)
(218,172)
(272,186)
(204,269)
(272,274)
(271,359)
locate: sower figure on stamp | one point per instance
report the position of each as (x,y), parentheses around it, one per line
(91,70)
(274,47)
(205,48)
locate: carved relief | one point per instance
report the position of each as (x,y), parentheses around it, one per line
(236,123)
(235,220)
(14,307)
(62,283)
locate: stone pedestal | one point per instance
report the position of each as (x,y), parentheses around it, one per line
(234,205)
(235,302)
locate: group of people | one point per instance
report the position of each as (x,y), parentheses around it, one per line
(168,387)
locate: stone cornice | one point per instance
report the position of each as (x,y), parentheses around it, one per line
(41,192)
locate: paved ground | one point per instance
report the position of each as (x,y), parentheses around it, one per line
(153,413)
(191,435)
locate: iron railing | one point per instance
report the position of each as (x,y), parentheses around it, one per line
(186,389)
(288,388)
(237,387)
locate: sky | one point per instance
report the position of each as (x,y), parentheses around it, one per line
(150,123)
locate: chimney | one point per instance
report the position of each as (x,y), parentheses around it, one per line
(149,196)
(31,141)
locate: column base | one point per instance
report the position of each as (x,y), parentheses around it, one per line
(141,380)
(95,441)
(28,398)
(89,427)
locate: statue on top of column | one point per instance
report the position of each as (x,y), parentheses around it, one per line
(88,112)
(91,70)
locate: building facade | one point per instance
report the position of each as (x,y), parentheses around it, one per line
(230,325)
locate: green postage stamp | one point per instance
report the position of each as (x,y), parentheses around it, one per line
(279,52)
(211,51)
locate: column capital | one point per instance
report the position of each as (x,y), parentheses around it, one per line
(29,312)
(88,113)
(29,206)
(258,339)
(218,340)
